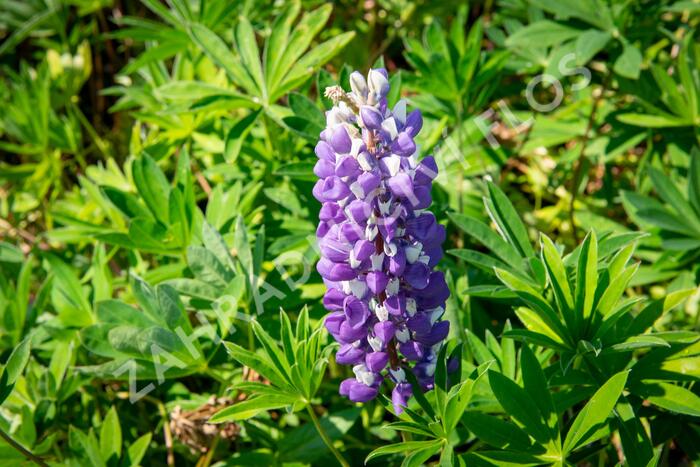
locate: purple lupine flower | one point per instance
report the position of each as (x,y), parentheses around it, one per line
(377,242)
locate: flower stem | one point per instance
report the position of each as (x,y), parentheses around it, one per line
(22,449)
(325,438)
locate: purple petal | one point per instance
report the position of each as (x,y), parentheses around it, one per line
(333,322)
(324,151)
(420,324)
(371,117)
(331,212)
(334,250)
(414,122)
(348,334)
(396,304)
(363,249)
(369,181)
(412,350)
(421,198)
(324,168)
(351,232)
(437,334)
(335,271)
(401,185)
(356,311)
(384,330)
(340,140)
(403,145)
(421,227)
(347,166)
(377,281)
(348,354)
(397,263)
(345,385)
(376,361)
(435,293)
(361,393)
(426,171)
(359,211)
(400,395)
(334,189)
(333,300)
(417,275)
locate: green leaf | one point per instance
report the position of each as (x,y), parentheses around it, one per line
(589,44)
(252,407)
(14,367)
(247,46)
(595,412)
(111,437)
(652,121)
(217,50)
(137,450)
(519,405)
(587,277)
(541,34)
(558,279)
(535,384)
(671,397)
(496,432)
(693,182)
(668,191)
(487,237)
(152,185)
(629,63)
(276,45)
(506,218)
(402,447)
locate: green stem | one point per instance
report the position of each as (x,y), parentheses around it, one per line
(22,449)
(325,438)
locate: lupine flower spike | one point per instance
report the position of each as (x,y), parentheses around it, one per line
(378,243)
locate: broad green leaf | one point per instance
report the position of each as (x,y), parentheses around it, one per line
(693,181)
(220,53)
(542,33)
(671,397)
(111,437)
(558,279)
(535,384)
(138,449)
(629,63)
(402,447)
(652,121)
(587,277)
(595,412)
(496,432)
(505,216)
(519,405)
(589,44)
(251,407)
(237,134)
(152,185)
(487,237)
(672,195)
(14,367)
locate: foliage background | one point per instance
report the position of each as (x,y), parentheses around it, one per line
(157,156)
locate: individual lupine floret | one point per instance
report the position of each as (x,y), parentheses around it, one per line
(378,243)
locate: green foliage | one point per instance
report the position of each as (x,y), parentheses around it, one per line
(159,303)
